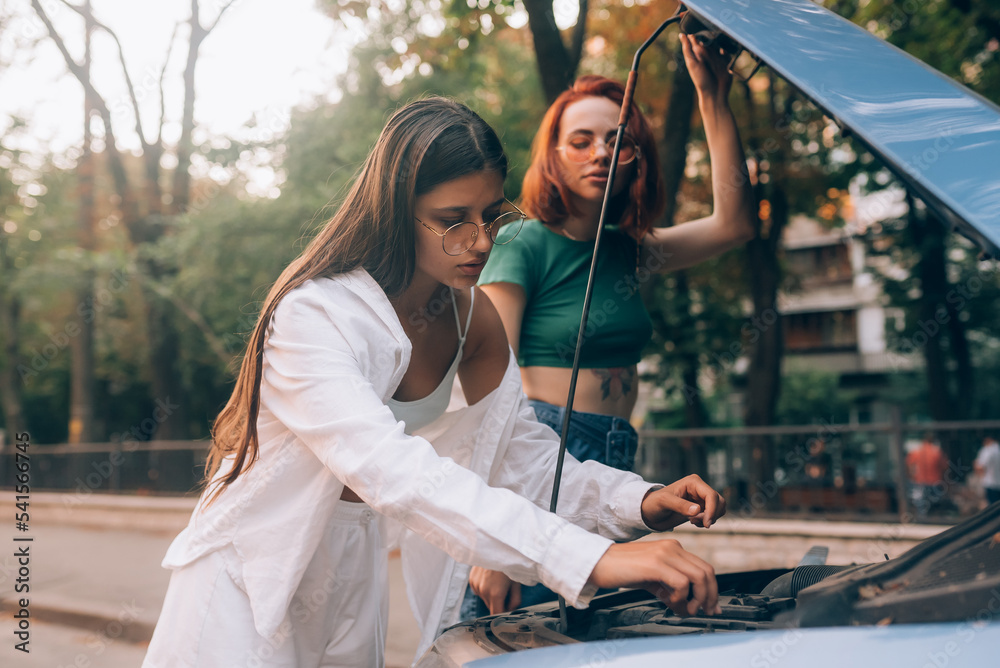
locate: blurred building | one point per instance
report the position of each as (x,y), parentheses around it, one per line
(833,311)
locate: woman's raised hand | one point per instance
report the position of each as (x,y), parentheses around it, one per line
(684,582)
(709,69)
(690,499)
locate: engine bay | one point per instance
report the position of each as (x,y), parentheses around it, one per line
(953,576)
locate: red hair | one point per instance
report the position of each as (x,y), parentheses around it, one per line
(546,197)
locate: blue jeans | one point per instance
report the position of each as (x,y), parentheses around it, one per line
(607,439)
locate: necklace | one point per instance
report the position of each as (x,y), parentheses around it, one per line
(565,233)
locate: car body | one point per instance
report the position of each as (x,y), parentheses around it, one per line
(935,605)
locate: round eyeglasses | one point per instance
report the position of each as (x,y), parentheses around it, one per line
(460,237)
(583,147)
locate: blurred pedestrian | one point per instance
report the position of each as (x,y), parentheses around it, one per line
(927,465)
(987,466)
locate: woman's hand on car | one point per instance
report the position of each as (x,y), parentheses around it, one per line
(499,592)
(683,581)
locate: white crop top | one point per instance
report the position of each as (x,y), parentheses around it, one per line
(420,413)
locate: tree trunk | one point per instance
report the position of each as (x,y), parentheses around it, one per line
(930,270)
(695,416)
(162,317)
(965,380)
(556,65)
(677,131)
(10,383)
(764,376)
(673,158)
(185,145)
(81,403)
(167,385)
(766,339)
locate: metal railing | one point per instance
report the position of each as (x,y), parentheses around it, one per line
(865,465)
(864,474)
(134,467)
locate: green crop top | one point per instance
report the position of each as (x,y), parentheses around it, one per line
(553,271)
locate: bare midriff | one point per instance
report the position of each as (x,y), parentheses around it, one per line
(604,391)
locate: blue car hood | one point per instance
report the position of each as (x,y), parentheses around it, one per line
(940,138)
(971,643)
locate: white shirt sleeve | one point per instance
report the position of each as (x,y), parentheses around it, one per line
(319,386)
(594,496)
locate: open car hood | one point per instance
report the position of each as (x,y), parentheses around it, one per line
(940,138)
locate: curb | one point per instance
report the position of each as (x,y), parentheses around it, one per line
(113,626)
(161,514)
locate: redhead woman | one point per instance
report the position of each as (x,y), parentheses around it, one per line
(337,445)
(537,281)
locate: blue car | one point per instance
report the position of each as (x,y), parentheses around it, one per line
(934,606)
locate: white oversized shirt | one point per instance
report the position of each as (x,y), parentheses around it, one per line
(466,489)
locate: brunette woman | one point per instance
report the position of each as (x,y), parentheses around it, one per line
(336,444)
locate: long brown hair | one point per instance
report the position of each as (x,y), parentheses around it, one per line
(545,196)
(424,144)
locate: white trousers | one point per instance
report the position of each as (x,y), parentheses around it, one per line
(337,617)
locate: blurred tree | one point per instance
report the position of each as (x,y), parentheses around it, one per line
(39,259)
(813,397)
(147,210)
(11,242)
(81,403)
